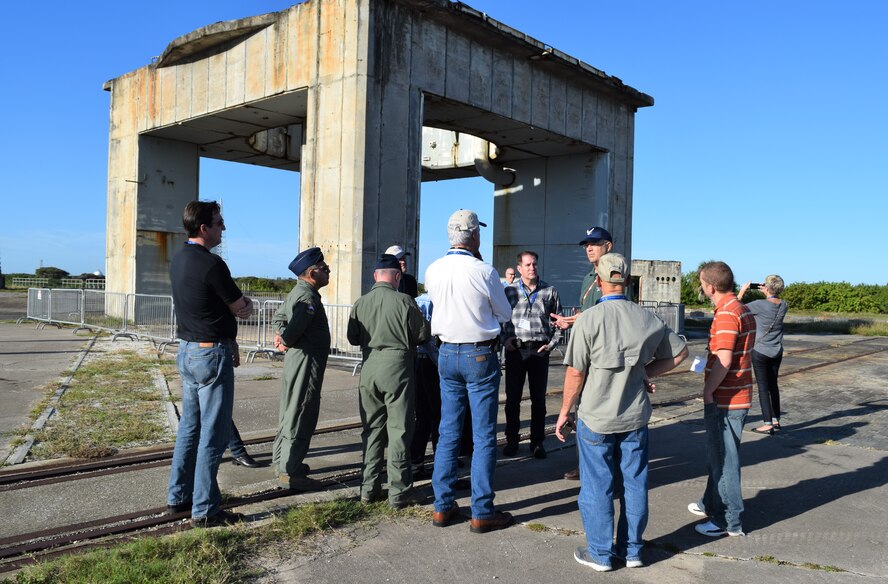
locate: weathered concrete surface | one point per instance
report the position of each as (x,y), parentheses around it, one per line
(13,304)
(361,78)
(30,361)
(814,494)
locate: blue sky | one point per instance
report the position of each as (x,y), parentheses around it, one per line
(767,146)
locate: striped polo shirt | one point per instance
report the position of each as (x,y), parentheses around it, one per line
(733,328)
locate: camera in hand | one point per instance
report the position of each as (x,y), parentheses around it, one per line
(756,286)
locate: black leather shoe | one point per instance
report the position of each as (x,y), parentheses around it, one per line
(220,518)
(179,508)
(538,451)
(510,449)
(247,461)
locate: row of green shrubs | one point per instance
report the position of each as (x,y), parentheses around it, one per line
(818,296)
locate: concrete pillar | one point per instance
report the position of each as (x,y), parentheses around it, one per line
(150,180)
(547,209)
(360,163)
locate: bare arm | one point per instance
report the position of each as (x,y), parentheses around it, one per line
(573,387)
(743,290)
(717,374)
(661,366)
(564,322)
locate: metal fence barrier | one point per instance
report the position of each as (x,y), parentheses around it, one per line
(340,348)
(88,283)
(669,312)
(152,317)
(104,311)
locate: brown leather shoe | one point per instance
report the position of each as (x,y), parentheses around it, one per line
(572,475)
(499,520)
(443,518)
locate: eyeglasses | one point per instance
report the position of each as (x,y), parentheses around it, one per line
(324,268)
(599,242)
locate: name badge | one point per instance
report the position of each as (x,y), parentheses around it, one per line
(523,324)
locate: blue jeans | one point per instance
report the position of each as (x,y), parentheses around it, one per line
(204,427)
(470,376)
(603,459)
(236,443)
(723,499)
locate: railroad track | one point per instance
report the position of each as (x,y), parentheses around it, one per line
(24,549)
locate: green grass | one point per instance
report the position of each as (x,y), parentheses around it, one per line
(199,556)
(217,556)
(110,403)
(811,566)
(871,329)
(264,378)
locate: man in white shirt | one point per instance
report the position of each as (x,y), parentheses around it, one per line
(469,305)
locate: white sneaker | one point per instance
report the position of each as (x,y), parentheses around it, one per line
(582,556)
(634,564)
(710,529)
(697,509)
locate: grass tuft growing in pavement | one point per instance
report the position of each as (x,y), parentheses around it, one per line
(200,556)
(204,556)
(110,403)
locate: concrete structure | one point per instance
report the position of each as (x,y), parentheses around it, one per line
(340,90)
(657,280)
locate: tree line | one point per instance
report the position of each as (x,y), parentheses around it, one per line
(817,296)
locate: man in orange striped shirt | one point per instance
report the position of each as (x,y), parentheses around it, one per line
(727,396)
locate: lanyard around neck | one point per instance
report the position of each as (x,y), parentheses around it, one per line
(530,299)
(611,297)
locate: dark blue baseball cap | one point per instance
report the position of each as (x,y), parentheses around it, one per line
(596,234)
(305,260)
(388,261)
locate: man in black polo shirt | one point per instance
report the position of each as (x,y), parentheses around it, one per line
(206,301)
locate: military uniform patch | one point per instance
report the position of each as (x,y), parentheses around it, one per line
(311,309)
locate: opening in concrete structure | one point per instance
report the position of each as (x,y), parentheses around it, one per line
(538,178)
(261,210)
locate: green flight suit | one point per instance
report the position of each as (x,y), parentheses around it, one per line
(302,323)
(388,326)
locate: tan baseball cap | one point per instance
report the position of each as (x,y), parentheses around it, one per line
(610,263)
(464,220)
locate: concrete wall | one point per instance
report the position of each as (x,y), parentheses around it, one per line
(362,69)
(658,281)
(548,209)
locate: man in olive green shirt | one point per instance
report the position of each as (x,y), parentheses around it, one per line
(388,326)
(303,332)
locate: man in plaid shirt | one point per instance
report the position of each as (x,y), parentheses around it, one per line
(528,338)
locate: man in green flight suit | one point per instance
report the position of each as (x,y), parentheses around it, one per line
(302,331)
(388,326)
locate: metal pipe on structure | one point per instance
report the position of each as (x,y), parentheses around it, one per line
(493,172)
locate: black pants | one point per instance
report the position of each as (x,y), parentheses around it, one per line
(536,370)
(428,412)
(766,369)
